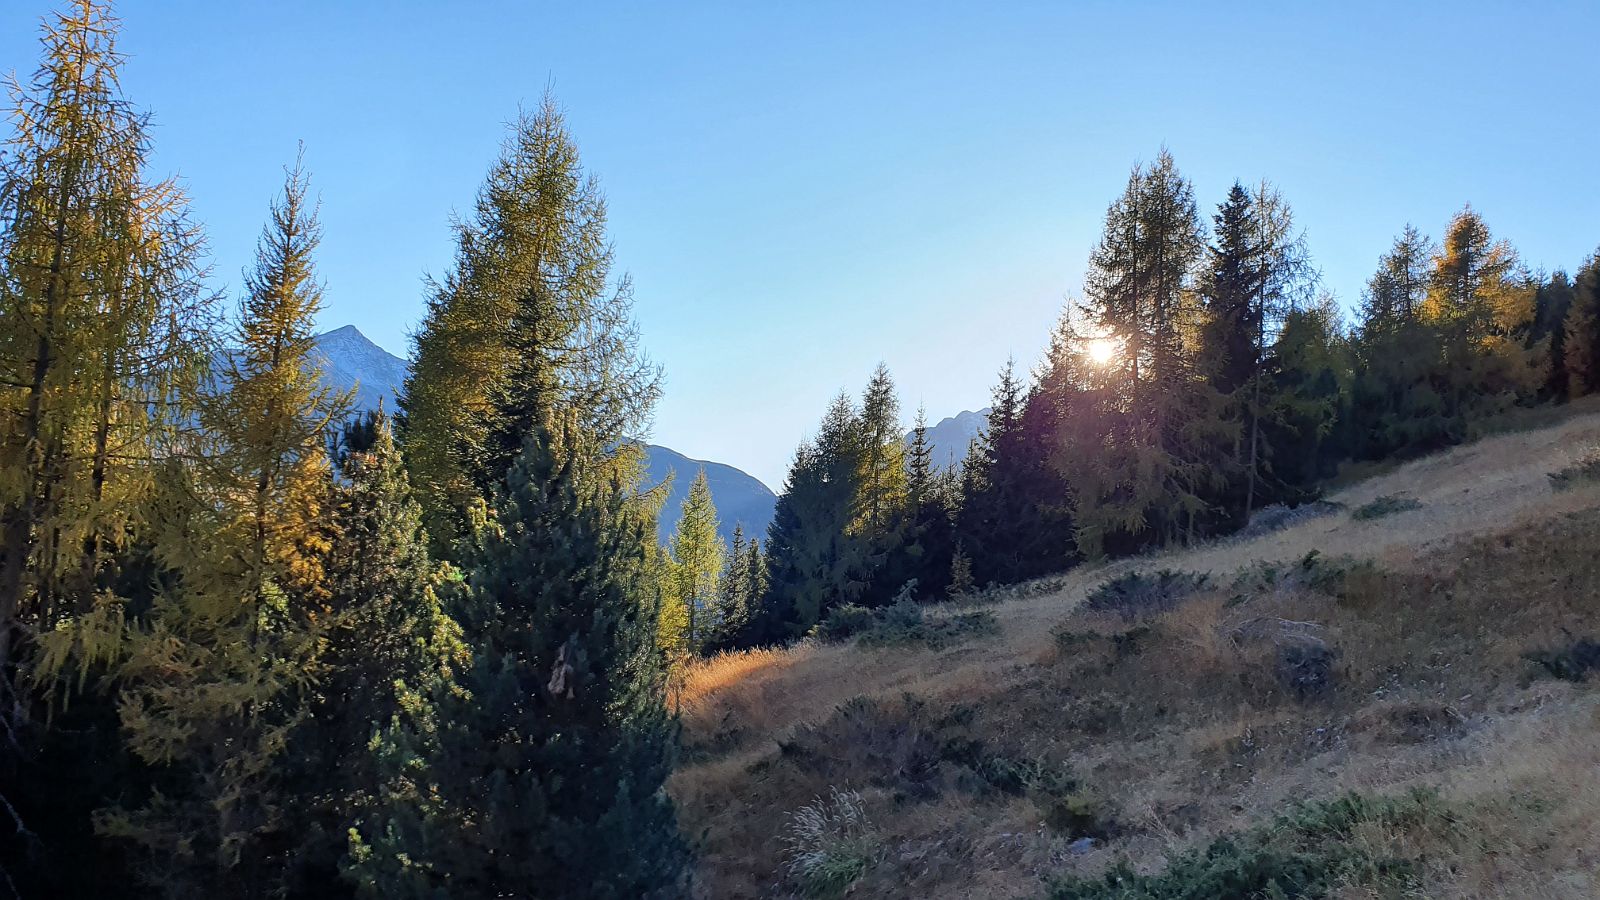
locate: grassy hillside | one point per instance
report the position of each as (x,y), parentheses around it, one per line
(1387,700)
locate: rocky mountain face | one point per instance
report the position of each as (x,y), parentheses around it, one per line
(951,437)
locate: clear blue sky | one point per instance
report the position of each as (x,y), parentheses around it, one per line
(803,189)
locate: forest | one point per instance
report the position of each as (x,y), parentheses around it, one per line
(255,643)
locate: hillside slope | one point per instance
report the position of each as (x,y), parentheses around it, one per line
(1339,654)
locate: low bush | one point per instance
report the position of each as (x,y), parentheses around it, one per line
(1313,851)
(1386,505)
(845,621)
(1323,574)
(1585,468)
(1573,662)
(1139,594)
(904,622)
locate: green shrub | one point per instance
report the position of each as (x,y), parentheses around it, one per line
(845,621)
(1573,662)
(1585,468)
(1308,852)
(1387,505)
(1145,593)
(902,623)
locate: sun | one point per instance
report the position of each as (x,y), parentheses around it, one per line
(1101,351)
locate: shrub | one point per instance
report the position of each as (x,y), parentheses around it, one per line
(1312,851)
(1386,505)
(830,844)
(1063,802)
(845,621)
(1571,663)
(1305,667)
(1585,468)
(1144,593)
(1326,575)
(904,622)
(1277,516)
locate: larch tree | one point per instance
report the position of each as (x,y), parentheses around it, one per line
(1482,302)
(102,320)
(1149,482)
(529,322)
(217,681)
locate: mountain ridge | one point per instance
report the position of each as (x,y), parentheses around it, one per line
(352,361)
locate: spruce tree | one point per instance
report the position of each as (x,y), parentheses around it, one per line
(930,536)
(389,645)
(698,557)
(546,773)
(529,323)
(1581,331)
(218,681)
(814,559)
(1398,396)
(731,611)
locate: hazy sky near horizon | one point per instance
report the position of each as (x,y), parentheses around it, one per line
(800,190)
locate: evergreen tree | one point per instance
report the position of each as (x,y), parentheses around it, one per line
(1581,331)
(698,556)
(930,536)
(388,646)
(1398,396)
(813,559)
(1552,301)
(217,683)
(1014,520)
(547,773)
(731,612)
(530,323)
(1259,274)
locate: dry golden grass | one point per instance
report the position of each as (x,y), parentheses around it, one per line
(1185,729)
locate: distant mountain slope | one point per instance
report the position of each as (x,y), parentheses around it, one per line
(951,437)
(740,498)
(352,362)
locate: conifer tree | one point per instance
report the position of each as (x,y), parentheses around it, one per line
(548,770)
(731,613)
(698,556)
(930,537)
(529,323)
(1013,518)
(882,480)
(1581,331)
(102,317)
(388,647)
(217,683)
(1482,303)
(813,559)
(1258,275)
(1397,398)
(1150,481)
